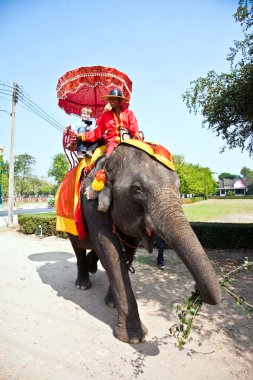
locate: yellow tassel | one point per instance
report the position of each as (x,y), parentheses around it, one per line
(97,185)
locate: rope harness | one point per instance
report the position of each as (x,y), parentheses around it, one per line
(128,264)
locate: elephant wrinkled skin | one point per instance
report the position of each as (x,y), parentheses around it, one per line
(140,199)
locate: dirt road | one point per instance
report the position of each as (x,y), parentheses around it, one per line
(51,330)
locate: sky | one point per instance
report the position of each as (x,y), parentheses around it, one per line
(161,45)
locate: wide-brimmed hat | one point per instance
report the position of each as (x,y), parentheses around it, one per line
(115,93)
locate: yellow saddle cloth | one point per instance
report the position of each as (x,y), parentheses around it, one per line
(158,152)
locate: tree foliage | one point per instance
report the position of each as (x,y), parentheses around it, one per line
(248,178)
(59,167)
(25,183)
(33,186)
(23,166)
(228,175)
(248,174)
(23,169)
(194,179)
(226,100)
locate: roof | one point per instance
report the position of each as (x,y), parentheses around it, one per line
(236,183)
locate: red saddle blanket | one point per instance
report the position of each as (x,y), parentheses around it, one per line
(67,200)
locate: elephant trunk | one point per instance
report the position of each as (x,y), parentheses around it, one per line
(173,227)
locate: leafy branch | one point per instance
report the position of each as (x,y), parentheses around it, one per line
(192,305)
(226,281)
(186,313)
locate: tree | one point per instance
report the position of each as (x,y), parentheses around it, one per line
(5,179)
(247,174)
(59,167)
(248,178)
(23,169)
(226,100)
(46,188)
(228,175)
(23,165)
(194,179)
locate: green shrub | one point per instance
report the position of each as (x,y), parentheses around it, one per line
(224,235)
(29,224)
(239,197)
(211,235)
(185,201)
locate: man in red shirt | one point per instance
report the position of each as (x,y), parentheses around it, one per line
(110,123)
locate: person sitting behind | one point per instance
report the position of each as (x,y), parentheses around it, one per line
(85,148)
(110,123)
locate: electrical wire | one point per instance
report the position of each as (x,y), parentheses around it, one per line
(2,97)
(5,84)
(28,98)
(28,107)
(6,92)
(29,104)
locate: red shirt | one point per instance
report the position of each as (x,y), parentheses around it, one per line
(108,126)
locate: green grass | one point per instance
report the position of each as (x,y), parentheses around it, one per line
(41,215)
(210,209)
(202,211)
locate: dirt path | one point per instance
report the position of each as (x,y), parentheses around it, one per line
(51,330)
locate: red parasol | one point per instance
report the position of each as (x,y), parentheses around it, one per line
(84,87)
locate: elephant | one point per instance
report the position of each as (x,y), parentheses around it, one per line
(140,199)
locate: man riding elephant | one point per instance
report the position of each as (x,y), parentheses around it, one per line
(111,122)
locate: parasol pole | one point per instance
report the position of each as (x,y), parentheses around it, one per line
(95,102)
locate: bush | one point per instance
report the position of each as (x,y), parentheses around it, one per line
(224,235)
(185,201)
(211,235)
(222,197)
(29,224)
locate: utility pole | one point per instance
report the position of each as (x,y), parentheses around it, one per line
(15,94)
(1,172)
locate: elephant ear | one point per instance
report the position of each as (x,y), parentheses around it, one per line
(105,198)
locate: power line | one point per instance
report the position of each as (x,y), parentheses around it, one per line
(30,108)
(28,98)
(5,84)
(29,104)
(6,92)
(39,110)
(4,98)
(41,114)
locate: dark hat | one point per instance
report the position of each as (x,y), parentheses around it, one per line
(115,93)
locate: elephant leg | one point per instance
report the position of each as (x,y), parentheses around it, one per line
(92,260)
(109,298)
(129,328)
(82,280)
(129,245)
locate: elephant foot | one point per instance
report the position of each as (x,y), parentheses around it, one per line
(132,335)
(83,284)
(91,260)
(109,299)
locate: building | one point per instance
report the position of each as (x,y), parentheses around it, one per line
(236,185)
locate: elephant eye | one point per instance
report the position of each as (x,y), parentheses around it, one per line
(136,189)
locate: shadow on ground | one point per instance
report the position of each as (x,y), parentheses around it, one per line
(168,287)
